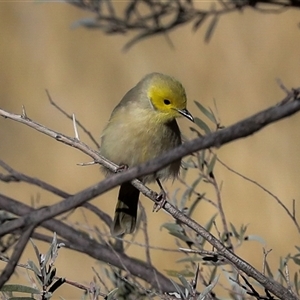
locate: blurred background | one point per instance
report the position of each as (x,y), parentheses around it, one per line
(87,73)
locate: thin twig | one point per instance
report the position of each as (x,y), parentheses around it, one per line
(75,127)
(290,214)
(71,118)
(222,214)
(146,235)
(266,253)
(166,15)
(84,244)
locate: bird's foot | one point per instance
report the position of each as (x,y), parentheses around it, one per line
(121,168)
(160,201)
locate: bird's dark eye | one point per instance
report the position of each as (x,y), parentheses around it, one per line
(167,102)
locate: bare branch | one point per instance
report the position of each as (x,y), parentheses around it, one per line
(152,17)
(287,107)
(291,214)
(16,176)
(61,110)
(89,246)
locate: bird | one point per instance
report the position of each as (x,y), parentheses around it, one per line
(142,127)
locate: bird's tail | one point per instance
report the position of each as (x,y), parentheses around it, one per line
(126,210)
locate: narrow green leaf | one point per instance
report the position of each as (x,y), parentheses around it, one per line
(21,298)
(242,233)
(282,276)
(33,267)
(111,294)
(185,283)
(206,112)
(178,289)
(181,236)
(202,125)
(234,231)
(19,288)
(174,197)
(296,260)
(210,167)
(171,227)
(214,119)
(188,164)
(208,289)
(256,238)
(186,196)
(189,259)
(210,223)
(50,252)
(194,205)
(296,283)
(201,159)
(208,227)
(53,247)
(196,182)
(188,192)
(49,277)
(173,273)
(36,250)
(213,274)
(199,134)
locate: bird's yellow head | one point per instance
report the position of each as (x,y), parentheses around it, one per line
(167,96)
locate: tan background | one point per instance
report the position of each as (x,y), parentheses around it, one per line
(87,73)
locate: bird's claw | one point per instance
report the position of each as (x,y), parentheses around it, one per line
(121,168)
(160,201)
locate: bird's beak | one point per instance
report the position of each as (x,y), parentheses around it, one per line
(186,114)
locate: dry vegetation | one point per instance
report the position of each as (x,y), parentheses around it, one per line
(209,262)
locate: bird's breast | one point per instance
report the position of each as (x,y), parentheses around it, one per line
(139,139)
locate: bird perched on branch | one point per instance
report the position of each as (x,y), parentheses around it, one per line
(141,127)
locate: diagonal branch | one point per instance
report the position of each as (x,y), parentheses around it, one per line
(216,139)
(82,243)
(288,106)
